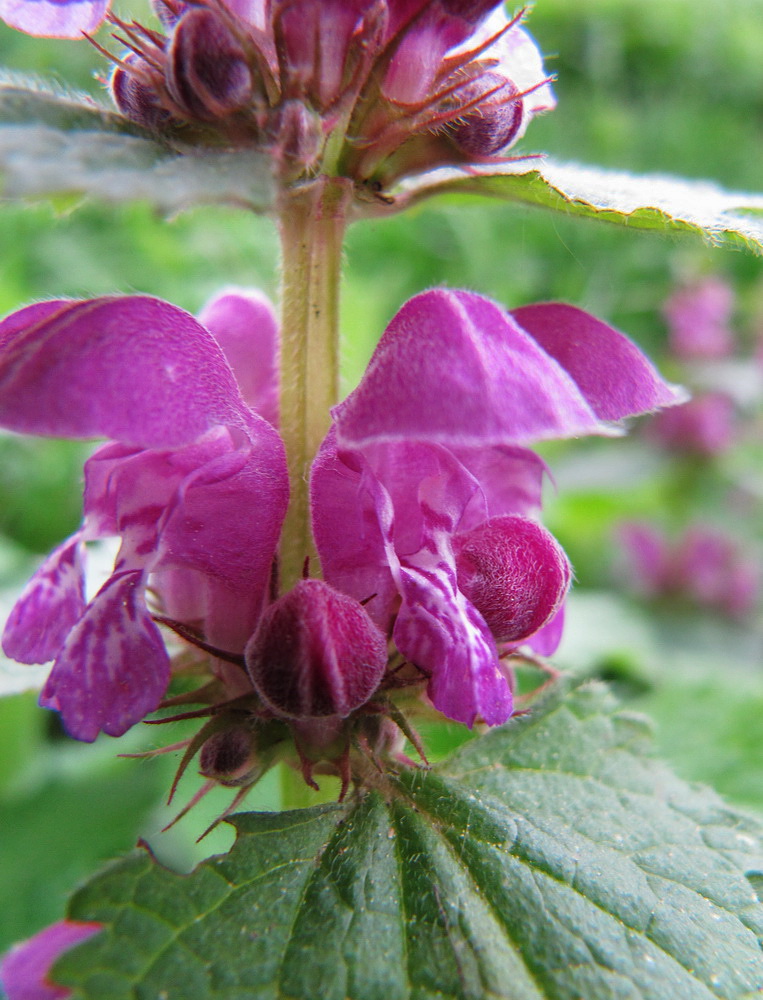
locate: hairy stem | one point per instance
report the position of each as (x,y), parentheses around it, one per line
(312,222)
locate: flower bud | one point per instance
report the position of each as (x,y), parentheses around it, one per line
(515,573)
(207,74)
(315,653)
(492,123)
(297,134)
(228,756)
(135,98)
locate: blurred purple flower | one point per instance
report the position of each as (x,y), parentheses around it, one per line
(698,317)
(54,18)
(424,496)
(705,425)
(25,969)
(703,566)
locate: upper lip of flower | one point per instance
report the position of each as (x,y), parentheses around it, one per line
(411,465)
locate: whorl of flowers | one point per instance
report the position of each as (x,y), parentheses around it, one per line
(372,90)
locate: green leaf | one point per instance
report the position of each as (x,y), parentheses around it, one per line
(652,201)
(551,858)
(54,144)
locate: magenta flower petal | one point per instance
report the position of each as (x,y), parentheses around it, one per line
(24,972)
(455,368)
(435,27)
(244,324)
(132,368)
(510,480)
(113,668)
(51,605)
(616,379)
(54,18)
(230,568)
(546,640)
(346,532)
(442,633)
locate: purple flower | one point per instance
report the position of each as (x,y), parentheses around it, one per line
(54,18)
(431,444)
(424,499)
(25,969)
(705,425)
(187,452)
(698,317)
(702,566)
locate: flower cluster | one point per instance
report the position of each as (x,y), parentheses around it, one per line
(424,507)
(372,90)
(703,567)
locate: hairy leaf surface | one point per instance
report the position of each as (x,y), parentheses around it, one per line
(55,144)
(650,201)
(551,858)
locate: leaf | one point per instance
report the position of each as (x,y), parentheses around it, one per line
(551,858)
(55,144)
(651,201)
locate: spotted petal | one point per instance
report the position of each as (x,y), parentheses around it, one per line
(50,606)
(89,684)
(441,632)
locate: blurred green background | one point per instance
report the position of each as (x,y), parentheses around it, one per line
(645,85)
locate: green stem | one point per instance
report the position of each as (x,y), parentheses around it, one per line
(312,223)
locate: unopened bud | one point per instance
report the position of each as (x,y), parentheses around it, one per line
(208,74)
(135,98)
(298,135)
(515,573)
(492,123)
(316,653)
(228,757)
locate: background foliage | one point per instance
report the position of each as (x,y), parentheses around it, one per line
(642,86)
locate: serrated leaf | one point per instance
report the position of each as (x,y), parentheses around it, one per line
(551,858)
(650,201)
(55,144)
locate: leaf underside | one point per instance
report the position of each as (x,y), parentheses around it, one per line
(649,201)
(54,144)
(551,858)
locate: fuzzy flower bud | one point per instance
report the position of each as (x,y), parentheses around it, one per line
(229,756)
(515,573)
(135,97)
(316,653)
(494,122)
(208,74)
